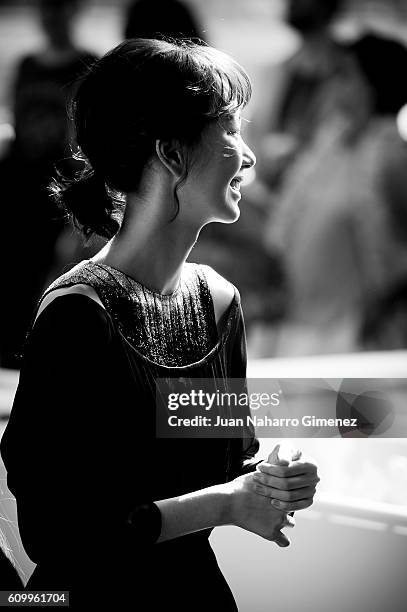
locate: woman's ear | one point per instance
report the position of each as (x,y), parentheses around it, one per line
(171,155)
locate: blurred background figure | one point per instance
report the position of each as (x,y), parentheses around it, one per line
(42,85)
(384,321)
(317,82)
(377,34)
(157,18)
(331,124)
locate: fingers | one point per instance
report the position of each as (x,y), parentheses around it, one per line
(283,453)
(276,456)
(289,521)
(296,500)
(296,468)
(278,536)
(283,495)
(301,504)
(287,501)
(290,488)
(285,484)
(280,539)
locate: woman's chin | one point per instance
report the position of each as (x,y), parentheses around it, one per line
(234,205)
(232,213)
(234,194)
(227,211)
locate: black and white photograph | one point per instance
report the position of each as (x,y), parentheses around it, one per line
(203,305)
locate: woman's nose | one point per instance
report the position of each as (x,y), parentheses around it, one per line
(249,158)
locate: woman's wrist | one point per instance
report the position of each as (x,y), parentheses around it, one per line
(203,509)
(224,504)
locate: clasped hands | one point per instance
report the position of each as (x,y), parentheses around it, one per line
(266,499)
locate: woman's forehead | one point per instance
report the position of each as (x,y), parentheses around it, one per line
(215,129)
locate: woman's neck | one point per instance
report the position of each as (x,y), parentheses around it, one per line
(155,259)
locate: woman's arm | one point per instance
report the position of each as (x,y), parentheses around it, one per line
(58,446)
(54,446)
(234,503)
(192,512)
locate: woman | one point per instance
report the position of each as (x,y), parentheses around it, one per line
(104,505)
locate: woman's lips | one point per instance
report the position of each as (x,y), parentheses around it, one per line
(235,184)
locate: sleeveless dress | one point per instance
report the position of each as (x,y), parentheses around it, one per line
(81,450)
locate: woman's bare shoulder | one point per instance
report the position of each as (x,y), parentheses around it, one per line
(223,291)
(80,288)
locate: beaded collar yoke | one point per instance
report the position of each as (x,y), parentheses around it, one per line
(171,330)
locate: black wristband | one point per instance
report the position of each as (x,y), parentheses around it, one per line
(145,521)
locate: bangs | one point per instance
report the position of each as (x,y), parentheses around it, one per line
(230,91)
(218,80)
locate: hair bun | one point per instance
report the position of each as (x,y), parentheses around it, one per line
(87,203)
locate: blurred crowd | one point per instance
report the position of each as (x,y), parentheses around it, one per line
(319,253)
(333,162)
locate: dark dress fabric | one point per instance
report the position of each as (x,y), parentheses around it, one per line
(80,447)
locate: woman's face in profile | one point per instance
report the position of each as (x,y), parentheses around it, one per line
(219,163)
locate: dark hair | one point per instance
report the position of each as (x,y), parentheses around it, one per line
(141,91)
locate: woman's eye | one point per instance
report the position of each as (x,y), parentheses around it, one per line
(234,132)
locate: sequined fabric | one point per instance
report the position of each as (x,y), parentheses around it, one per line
(172,330)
